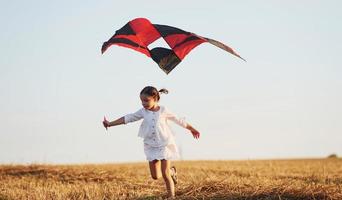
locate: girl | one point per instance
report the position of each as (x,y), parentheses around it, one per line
(159,142)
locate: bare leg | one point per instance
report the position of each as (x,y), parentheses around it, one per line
(165,168)
(155,169)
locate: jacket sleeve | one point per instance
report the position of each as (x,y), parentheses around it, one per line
(132,117)
(176,119)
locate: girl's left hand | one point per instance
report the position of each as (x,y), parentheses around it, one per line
(195,133)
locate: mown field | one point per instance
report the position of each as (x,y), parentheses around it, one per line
(255,179)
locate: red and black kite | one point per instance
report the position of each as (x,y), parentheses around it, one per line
(139,33)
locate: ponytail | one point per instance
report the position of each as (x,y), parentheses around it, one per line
(164,91)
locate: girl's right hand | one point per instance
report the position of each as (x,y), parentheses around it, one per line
(105,123)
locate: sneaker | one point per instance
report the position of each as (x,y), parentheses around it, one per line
(174,174)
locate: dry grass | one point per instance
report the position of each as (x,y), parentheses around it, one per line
(268,179)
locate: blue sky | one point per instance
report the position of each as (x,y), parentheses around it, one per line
(55,86)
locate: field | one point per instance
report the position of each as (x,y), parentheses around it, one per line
(253,179)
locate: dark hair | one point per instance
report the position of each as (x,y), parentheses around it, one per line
(153,92)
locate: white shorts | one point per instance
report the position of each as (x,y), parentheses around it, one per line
(168,152)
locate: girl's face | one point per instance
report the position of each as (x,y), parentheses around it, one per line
(148,102)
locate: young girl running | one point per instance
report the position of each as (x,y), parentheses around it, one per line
(159,141)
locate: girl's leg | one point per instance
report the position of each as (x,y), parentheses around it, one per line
(155,169)
(170,186)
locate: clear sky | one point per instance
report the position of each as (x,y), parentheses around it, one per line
(284,102)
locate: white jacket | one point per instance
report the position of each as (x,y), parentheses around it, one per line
(155,128)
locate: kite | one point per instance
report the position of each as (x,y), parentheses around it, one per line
(139,33)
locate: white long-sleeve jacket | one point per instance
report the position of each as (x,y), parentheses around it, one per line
(155,128)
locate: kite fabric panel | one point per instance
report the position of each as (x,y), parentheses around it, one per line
(139,33)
